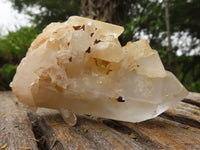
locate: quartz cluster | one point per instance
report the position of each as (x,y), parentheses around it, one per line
(79,67)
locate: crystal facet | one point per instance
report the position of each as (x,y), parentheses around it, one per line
(80,67)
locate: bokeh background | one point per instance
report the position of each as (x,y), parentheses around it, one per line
(172,27)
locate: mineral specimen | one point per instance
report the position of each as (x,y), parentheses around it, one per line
(79,67)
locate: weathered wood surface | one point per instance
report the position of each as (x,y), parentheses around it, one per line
(178,128)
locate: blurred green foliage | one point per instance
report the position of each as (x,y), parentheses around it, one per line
(15,45)
(188,71)
(7,71)
(13,48)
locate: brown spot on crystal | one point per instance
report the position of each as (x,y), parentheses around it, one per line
(83,27)
(58,88)
(68,43)
(107,73)
(88,50)
(92,34)
(77,27)
(70,59)
(96,41)
(120,99)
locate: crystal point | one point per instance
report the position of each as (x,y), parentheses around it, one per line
(80,67)
(69,117)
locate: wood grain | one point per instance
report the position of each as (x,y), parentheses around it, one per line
(18,128)
(178,128)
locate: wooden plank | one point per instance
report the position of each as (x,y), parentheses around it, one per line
(18,128)
(193,98)
(87,134)
(177,128)
(169,134)
(184,113)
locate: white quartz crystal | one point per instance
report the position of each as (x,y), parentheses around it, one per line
(79,67)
